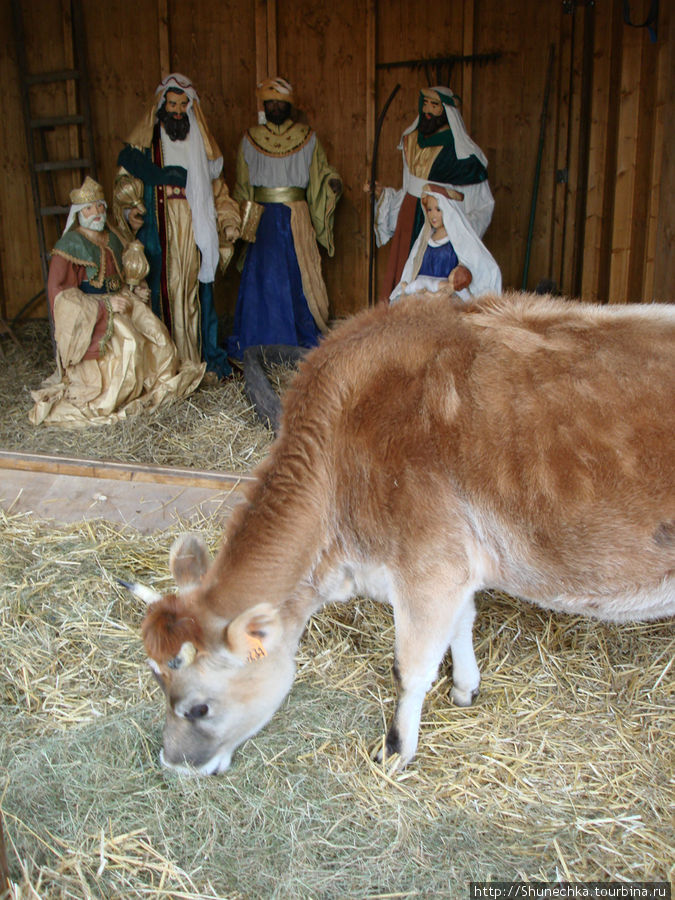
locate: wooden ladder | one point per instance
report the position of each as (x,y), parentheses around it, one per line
(77,117)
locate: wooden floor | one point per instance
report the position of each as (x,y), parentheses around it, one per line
(148,498)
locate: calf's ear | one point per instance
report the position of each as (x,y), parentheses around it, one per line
(168,627)
(188,560)
(254,633)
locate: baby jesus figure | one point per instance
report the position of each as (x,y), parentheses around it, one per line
(448,255)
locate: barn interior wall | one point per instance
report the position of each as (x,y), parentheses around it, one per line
(603,223)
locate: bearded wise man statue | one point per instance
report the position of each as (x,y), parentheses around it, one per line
(283,173)
(114,356)
(171,167)
(435,148)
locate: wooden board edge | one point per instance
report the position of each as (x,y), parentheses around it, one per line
(119,471)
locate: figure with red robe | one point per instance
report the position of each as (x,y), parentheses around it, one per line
(435,148)
(114,356)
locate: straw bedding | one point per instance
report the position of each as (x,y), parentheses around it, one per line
(215,428)
(562,770)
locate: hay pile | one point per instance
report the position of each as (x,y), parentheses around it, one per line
(215,428)
(562,770)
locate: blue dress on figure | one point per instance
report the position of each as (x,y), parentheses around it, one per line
(282,295)
(276,309)
(439,260)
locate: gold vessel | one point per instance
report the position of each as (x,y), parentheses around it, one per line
(135,264)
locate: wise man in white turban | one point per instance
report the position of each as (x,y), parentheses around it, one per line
(435,148)
(171,167)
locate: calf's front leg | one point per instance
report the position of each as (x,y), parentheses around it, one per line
(424,631)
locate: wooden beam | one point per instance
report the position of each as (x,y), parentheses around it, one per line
(580,107)
(593,284)
(272,62)
(662,230)
(465,89)
(561,137)
(260,40)
(661,173)
(163,37)
(138,472)
(371,78)
(647,171)
(371,117)
(265,39)
(74,145)
(266,57)
(626,165)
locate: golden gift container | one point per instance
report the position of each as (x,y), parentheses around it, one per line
(135,264)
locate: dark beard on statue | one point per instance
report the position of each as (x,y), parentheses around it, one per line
(431,124)
(277,115)
(177,129)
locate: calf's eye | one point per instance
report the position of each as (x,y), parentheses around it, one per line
(198,711)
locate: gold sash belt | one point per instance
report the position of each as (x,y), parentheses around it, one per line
(278,194)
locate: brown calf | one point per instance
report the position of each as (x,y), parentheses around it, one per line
(429,451)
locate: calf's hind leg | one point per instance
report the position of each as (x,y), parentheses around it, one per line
(465,672)
(424,631)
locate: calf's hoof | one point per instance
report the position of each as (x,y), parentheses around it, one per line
(390,747)
(390,752)
(463,697)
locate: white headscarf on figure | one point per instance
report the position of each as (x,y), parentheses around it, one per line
(464,146)
(89,192)
(201,171)
(471,252)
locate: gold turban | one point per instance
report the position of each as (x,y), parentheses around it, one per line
(89,192)
(274,89)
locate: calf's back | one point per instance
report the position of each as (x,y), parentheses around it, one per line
(535,430)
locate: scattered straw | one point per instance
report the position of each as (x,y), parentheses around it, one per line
(562,770)
(215,428)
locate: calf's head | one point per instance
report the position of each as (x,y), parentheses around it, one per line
(222,679)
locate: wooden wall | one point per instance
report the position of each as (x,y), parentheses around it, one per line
(603,225)
(321,50)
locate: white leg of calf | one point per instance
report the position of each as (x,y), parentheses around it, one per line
(421,643)
(465,672)
(403,733)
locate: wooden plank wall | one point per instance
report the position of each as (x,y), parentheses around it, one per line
(324,58)
(604,221)
(439,34)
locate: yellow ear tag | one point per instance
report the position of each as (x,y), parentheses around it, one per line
(256,649)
